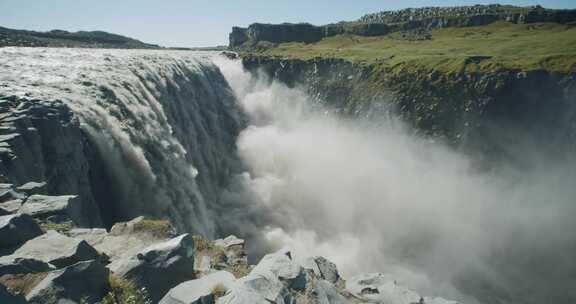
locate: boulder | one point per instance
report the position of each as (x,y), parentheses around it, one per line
(377,287)
(323,268)
(60,207)
(159,267)
(32,188)
(12,206)
(8,298)
(16,229)
(326,293)
(7,193)
(85,281)
(267,282)
(199,291)
(230,241)
(125,227)
(51,248)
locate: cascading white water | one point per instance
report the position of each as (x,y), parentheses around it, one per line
(148,114)
(372,196)
(368,194)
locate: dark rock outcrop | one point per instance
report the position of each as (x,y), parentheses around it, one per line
(59,208)
(85,281)
(46,144)
(50,250)
(16,229)
(160,266)
(464,109)
(9,298)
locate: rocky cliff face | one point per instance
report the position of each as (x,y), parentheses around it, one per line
(478,111)
(131,133)
(392,21)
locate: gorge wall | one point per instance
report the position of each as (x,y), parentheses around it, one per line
(479,111)
(382,23)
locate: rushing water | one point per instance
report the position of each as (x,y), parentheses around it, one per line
(373,196)
(157,118)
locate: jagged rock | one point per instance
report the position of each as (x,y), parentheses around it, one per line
(51,248)
(229,241)
(326,293)
(8,298)
(125,227)
(323,268)
(86,281)
(4,212)
(12,206)
(32,188)
(266,282)
(199,291)
(234,250)
(380,288)
(7,193)
(61,207)
(16,229)
(160,266)
(42,141)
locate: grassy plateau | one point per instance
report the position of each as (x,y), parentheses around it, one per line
(500,45)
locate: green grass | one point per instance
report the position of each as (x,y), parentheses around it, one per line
(63,227)
(124,291)
(158,228)
(538,46)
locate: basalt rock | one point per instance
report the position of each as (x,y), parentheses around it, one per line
(52,249)
(84,282)
(16,229)
(159,267)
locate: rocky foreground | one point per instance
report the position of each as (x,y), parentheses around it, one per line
(44,258)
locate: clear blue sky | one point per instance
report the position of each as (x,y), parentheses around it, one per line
(198,22)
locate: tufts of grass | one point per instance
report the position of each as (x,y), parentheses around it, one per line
(219,290)
(63,227)
(240,270)
(218,256)
(157,228)
(202,244)
(124,291)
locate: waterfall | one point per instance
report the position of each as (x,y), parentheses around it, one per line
(163,124)
(372,195)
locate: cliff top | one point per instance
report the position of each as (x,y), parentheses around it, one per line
(499,45)
(413,14)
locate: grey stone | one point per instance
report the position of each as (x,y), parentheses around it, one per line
(326,293)
(198,291)
(52,248)
(160,266)
(267,282)
(377,287)
(87,281)
(7,193)
(229,241)
(32,188)
(44,206)
(12,206)
(328,270)
(16,229)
